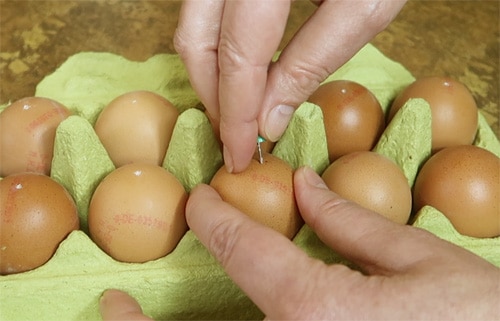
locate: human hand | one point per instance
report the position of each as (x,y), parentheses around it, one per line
(116,305)
(408,273)
(227,47)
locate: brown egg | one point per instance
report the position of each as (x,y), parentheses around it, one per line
(353,117)
(453,109)
(137,213)
(264,192)
(27,131)
(36,214)
(267,146)
(136,127)
(463,183)
(373,181)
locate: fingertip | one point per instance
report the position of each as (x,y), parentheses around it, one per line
(277,121)
(239,138)
(308,185)
(118,305)
(237,159)
(305,175)
(197,200)
(228,159)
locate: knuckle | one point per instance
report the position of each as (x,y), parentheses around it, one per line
(305,300)
(187,44)
(378,14)
(304,79)
(181,45)
(230,57)
(224,237)
(330,206)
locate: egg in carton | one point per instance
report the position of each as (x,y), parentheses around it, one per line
(188,283)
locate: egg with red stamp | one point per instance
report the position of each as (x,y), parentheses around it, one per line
(453,109)
(352,115)
(137,213)
(374,182)
(264,192)
(463,183)
(36,215)
(137,127)
(27,132)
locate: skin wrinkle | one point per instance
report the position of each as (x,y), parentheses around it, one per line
(404,283)
(422,276)
(245,50)
(187,46)
(232,59)
(223,238)
(372,287)
(197,42)
(238,79)
(301,79)
(297,304)
(290,74)
(342,305)
(371,263)
(434,279)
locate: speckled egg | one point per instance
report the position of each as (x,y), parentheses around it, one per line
(462,182)
(373,181)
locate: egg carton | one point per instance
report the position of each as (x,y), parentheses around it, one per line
(188,283)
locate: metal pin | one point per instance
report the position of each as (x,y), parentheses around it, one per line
(260,140)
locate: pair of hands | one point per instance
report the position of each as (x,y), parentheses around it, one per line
(410,273)
(227,47)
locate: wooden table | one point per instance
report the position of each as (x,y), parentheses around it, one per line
(454,38)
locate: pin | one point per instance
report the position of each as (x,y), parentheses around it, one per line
(260,140)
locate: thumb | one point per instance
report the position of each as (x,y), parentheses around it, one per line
(118,305)
(368,239)
(335,32)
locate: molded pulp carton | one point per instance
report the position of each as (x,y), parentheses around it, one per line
(188,283)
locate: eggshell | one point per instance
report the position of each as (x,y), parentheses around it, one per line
(137,127)
(353,117)
(74,279)
(454,110)
(27,130)
(36,214)
(373,181)
(267,146)
(462,182)
(137,213)
(264,192)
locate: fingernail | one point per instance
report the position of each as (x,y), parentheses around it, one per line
(106,294)
(103,300)
(277,121)
(313,179)
(228,160)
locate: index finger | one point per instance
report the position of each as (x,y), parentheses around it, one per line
(250,35)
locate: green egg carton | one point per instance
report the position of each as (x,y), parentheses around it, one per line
(188,283)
